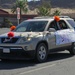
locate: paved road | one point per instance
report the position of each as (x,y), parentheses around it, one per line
(57,64)
(4,30)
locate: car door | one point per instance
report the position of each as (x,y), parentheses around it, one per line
(52,37)
(63,26)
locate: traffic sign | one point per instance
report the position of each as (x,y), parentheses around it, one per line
(18,13)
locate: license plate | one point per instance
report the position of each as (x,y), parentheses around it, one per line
(6,50)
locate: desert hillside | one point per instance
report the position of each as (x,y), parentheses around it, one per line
(54,3)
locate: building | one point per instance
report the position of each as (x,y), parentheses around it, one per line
(12,17)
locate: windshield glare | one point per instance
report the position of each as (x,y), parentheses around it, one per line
(31,26)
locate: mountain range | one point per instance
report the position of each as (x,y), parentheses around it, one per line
(54,3)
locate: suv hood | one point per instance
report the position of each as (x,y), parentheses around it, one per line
(22,34)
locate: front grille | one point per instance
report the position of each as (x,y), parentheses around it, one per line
(9,40)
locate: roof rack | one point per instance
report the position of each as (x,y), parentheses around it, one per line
(64,16)
(42,17)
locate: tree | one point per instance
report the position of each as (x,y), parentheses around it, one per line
(56,12)
(22,4)
(44,9)
(6,23)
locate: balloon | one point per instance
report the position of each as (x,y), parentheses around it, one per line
(10,34)
(12,28)
(57,18)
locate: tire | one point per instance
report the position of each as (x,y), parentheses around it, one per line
(72,50)
(41,52)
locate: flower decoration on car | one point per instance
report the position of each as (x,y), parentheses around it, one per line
(12,28)
(10,34)
(22,35)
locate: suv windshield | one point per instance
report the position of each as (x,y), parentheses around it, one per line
(72,23)
(31,26)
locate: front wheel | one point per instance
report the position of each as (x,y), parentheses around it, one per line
(41,52)
(72,50)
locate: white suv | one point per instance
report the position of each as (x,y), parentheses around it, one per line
(35,38)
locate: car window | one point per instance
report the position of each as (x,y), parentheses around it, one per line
(72,23)
(63,25)
(53,24)
(31,26)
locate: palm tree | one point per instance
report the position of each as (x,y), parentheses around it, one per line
(22,4)
(44,9)
(56,12)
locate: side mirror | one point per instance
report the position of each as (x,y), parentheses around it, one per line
(12,28)
(52,30)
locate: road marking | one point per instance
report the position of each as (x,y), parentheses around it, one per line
(38,69)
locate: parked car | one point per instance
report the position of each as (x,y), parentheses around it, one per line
(35,38)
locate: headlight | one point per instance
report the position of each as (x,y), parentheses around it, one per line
(29,38)
(23,40)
